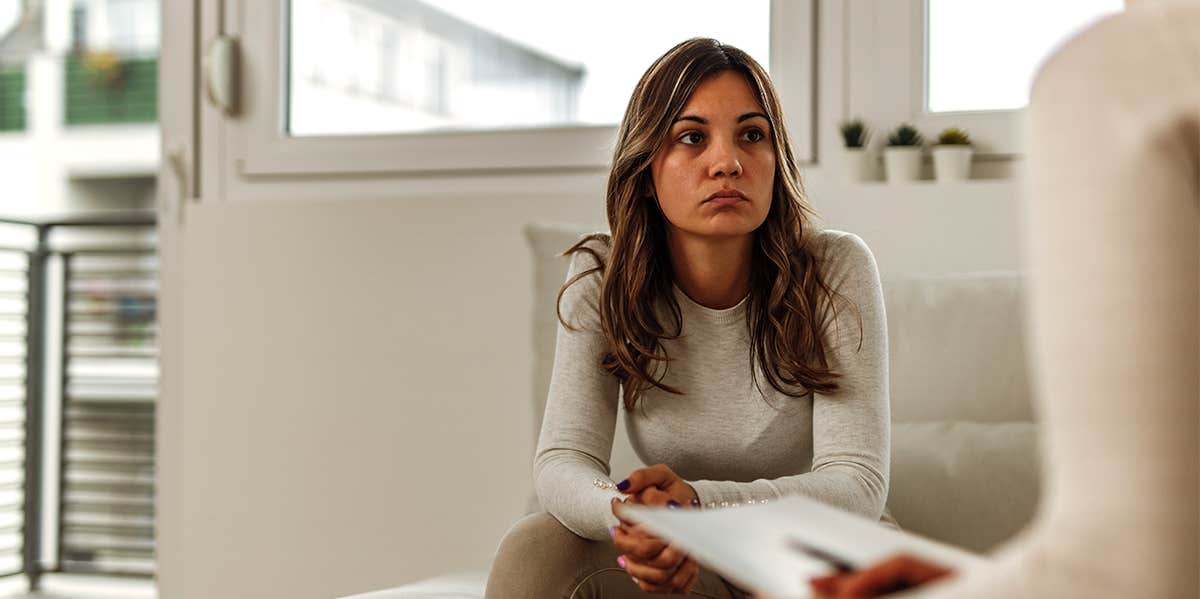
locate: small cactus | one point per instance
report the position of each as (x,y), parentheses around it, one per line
(855,133)
(905,135)
(953,136)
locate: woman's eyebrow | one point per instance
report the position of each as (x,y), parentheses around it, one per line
(702,121)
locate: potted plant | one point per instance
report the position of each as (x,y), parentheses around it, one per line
(952,155)
(860,164)
(104,69)
(902,156)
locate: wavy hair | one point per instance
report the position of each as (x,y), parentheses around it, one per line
(788,301)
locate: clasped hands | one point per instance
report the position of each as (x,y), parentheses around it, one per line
(654,565)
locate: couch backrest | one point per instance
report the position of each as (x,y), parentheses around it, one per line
(956,348)
(964,456)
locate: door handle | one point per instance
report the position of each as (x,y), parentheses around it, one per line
(221,66)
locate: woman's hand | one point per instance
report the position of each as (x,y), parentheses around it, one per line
(655,566)
(658,485)
(896,574)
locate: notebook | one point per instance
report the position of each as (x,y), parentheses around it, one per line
(775,548)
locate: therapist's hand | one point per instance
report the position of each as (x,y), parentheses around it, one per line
(896,574)
(654,565)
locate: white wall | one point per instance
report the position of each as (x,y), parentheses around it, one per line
(348,380)
(926,228)
(356,412)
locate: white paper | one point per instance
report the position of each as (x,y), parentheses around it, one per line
(755,546)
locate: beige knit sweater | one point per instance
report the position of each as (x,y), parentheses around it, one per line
(1113,221)
(733,442)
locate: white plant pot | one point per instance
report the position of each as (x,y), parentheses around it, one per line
(860,164)
(952,163)
(902,163)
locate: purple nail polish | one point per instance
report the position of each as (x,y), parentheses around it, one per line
(621,562)
(612,531)
(695,503)
(623,485)
(673,505)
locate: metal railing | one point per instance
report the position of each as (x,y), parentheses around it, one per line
(100,295)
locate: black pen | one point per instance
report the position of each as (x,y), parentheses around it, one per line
(838,563)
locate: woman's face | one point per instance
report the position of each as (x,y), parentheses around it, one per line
(715,175)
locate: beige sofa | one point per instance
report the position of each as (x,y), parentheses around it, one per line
(964,456)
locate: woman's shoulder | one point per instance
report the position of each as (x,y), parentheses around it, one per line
(835,248)
(844,260)
(589,251)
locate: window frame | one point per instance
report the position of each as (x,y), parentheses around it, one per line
(261,147)
(886,88)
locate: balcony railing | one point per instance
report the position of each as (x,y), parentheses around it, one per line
(78,337)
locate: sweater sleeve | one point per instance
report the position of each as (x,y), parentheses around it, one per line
(850,427)
(576,439)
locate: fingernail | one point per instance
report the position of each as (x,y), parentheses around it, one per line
(621,562)
(695,503)
(673,505)
(623,485)
(612,531)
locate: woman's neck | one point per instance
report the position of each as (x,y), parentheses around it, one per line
(714,272)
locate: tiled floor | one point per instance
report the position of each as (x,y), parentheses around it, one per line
(76,586)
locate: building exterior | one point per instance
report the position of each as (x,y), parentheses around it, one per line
(78,113)
(404,65)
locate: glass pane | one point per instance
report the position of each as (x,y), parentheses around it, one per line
(983,54)
(10,15)
(126,27)
(389,66)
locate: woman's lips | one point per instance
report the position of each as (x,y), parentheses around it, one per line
(726,200)
(726,197)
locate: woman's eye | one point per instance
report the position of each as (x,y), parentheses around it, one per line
(753,135)
(691,138)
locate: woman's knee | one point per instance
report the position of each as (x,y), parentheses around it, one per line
(539,557)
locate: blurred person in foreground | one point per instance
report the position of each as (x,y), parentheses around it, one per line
(1113,243)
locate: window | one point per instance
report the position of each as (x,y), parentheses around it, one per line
(478,86)
(10,15)
(127,27)
(476,65)
(983,54)
(968,63)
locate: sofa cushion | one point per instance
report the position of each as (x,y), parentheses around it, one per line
(970,484)
(956,348)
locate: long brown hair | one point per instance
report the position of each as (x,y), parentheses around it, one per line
(788,302)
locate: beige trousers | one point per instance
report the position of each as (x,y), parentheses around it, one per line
(540,559)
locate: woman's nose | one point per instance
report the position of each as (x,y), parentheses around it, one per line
(724,160)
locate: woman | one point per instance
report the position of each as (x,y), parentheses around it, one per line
(1113,216)
(712,282)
